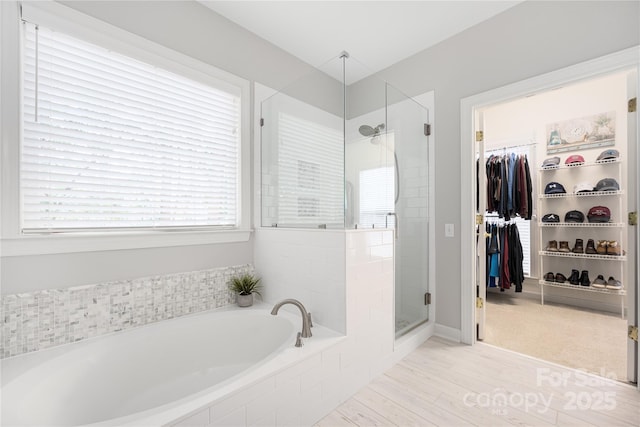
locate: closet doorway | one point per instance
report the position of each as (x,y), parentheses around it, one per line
(579,292)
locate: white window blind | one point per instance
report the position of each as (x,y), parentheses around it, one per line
(376,197)
(311,173)
(110,142)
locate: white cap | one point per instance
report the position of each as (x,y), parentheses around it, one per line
(582,186)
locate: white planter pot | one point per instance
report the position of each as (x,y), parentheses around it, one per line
(244,300)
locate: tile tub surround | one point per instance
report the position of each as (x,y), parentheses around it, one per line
(43,319)
(311,388)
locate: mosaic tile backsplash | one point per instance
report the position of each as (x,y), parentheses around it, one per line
(42,319)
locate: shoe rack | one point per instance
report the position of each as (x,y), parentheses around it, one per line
(600,263)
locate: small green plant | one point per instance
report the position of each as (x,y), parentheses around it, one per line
(245,284)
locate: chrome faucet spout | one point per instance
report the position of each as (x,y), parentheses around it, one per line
(306,323)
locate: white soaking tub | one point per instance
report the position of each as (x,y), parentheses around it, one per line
(151,375)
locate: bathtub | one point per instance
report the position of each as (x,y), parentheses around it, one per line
(154,374)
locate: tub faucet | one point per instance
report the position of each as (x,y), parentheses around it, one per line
(306,317)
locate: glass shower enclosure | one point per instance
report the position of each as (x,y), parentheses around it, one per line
(339,152)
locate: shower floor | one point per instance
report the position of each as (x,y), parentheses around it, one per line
(403,326)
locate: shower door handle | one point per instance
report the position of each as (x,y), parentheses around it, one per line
(395,217)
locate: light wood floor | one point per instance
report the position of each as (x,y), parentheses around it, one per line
(448,384)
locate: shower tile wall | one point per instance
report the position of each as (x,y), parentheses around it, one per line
(308,265)
(269,201)
(411,255)
(42,319)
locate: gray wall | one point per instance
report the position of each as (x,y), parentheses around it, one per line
(194,30)
(532,38)
(35,272)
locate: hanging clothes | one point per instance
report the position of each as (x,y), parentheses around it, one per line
(509,195)
(493,255)
(512,160)
(504,257)
(505,278)
(509,186)
(516,257)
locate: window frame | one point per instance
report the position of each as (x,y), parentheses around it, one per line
(62,18)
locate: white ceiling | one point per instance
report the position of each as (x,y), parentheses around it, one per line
(376,33)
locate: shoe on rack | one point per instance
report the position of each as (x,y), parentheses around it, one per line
(560,278)
(574,279)
(564,247)
(549,277)
(602,247)
(584,278)
(578,248)
(591,248)
(552,246)
(599,282)
(613,248)
(613,284)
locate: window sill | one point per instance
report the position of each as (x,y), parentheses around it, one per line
(68,243)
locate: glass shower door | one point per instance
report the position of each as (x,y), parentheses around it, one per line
(406,120)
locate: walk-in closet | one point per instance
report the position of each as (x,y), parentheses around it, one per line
(552,230)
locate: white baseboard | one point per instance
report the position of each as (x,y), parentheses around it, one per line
(414,339)
(448,333)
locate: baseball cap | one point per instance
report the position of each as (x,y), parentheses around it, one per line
(574,159)
(574,216)
(608,155)
(599,214)
(550,162)
(607,184)
(554,188)
(551,217)
(582,187)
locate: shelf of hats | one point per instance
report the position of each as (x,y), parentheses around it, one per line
(581,229)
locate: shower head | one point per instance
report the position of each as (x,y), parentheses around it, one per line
(366,130)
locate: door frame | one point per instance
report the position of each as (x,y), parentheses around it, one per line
(625,59)
(480,252)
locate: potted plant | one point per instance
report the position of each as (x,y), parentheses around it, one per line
(244,286)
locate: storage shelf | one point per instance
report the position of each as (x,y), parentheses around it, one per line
(584,288)
(580,165)
(582,224)
(564,202)
(589,194)
(584,256)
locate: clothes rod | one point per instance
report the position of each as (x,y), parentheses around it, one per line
(530,144)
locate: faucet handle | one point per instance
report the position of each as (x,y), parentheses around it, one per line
(310,321)
(299,340)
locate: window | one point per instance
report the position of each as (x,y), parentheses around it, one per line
(311,169)
(110,142)
(376,197)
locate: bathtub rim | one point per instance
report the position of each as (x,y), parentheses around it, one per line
(282,358)
(183,408)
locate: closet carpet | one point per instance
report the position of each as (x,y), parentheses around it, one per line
(573,337)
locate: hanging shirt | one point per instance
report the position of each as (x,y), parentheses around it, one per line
(511,177)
